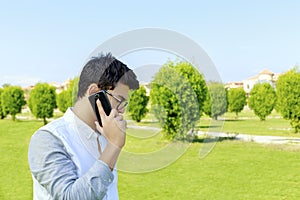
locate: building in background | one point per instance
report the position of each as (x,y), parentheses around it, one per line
(264,76)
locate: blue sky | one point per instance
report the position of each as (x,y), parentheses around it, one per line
(50,40)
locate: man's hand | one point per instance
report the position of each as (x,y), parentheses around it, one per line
(114,126)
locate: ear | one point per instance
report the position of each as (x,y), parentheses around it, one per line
(93,88)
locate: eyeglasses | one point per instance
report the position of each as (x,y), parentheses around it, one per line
(122,103)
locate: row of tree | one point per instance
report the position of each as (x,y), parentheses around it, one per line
(42,100)
(179,96)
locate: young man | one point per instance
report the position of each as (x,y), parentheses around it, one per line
(73,157)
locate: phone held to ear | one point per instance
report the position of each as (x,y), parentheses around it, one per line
(104,102)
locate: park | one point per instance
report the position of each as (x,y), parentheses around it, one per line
(232,169)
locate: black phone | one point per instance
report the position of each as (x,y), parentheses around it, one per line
(104,102)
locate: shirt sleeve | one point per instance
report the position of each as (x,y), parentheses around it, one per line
(53,168)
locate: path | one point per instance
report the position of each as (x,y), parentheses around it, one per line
(243,137)
(256,138)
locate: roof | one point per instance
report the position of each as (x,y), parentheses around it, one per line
(266,71)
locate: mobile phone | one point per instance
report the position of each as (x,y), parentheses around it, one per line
(104,102)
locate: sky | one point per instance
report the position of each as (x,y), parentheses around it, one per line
(49,41)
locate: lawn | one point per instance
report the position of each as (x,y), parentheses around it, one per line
(233,170)
(14,171)
(248,123)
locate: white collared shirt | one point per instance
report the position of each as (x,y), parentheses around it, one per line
(65,153)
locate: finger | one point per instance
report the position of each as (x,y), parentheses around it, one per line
(100,108)
(119,118)
(113,114)
(122,125)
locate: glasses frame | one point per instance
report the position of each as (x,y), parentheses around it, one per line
(118,100)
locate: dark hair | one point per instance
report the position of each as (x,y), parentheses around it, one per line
(106,71)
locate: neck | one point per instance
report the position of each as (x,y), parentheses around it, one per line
(84,111)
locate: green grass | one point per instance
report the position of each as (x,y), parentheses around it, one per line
(14,171)
(248,123)
(233,170)
(144,140)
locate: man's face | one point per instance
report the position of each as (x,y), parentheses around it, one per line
(119,97)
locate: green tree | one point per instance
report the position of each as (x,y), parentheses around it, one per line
(3,111)
(174,98)
(288,97)
(216,100)
(195,79)
(74,87)
(262,100)
(12,100)
(64,100)
(67,98)
(138,101)
(42,101)
(236,100)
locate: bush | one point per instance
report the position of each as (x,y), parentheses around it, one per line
(236,100)
(176,98)
(262,100)
(138,101)
(42,101)
(288,94)
(12,100)
(64,100)
(216,101)
(3,112)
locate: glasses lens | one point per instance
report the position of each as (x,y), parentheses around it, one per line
(122,105)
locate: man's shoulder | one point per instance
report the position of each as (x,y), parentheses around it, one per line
(48,130)
(54,125)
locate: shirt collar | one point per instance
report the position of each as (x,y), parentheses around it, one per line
(81,126)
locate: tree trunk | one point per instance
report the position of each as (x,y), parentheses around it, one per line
(45,121)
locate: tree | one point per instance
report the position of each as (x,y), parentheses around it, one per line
(236,100)
(174,98)
(64,100)
(216,100)
(288,97)
(138,101)
(42,101)
(195,79)
(12,100)
(73,89)
(262,100)
(3,111)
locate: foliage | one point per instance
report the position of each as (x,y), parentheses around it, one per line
(216,101)
(195,79)
(3,112)
(42,101)
(288,94)
(236,100)
(74,88)
(138,101)
(67,98)
(12,100)
(173,96)
(64,100)
(262,100)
